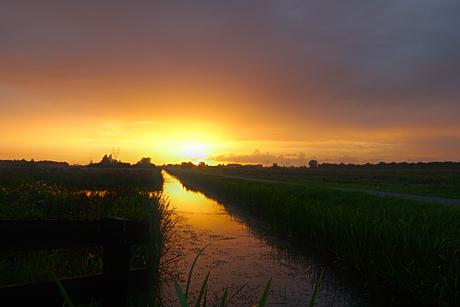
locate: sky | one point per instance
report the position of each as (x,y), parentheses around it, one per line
(258,82)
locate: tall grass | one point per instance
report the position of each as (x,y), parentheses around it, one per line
(80,194)
(82,178)
(410,245)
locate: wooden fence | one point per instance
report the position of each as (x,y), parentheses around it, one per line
(112,287)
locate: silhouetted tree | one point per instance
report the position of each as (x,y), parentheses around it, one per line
(145,162)
(107,160)
(187,165)
(201,164)
(313,164)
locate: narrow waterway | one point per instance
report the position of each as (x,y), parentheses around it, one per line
(244,250)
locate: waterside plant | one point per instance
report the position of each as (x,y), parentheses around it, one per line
(79,193)
(412,246)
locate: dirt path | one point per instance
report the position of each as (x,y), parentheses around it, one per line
(425,198)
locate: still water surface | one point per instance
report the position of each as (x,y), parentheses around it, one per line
(252,256)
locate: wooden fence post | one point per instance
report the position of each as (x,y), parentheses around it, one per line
(112,287)
(115,262)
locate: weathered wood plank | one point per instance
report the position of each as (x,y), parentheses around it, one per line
(115,235)
(82,290)
(26,235)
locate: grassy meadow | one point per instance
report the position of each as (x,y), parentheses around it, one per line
(410,246)
(434,182)
(83,193)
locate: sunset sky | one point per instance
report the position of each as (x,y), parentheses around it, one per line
(230,81)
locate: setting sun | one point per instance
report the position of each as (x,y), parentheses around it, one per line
(174,90)
(194,152)
(131,110)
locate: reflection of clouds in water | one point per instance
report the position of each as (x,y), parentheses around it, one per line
(253,257)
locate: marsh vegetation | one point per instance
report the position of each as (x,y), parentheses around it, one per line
(83,193)
(407,245)
(436,182)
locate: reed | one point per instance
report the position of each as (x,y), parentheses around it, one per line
(412,246)
(77,193)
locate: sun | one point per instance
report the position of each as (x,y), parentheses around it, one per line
(194,152)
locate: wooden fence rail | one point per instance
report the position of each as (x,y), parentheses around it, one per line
(112,287)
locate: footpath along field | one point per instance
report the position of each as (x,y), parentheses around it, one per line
(412,246)
(83,193)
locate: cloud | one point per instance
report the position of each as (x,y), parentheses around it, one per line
(362,54)
(294,71)
(257,157)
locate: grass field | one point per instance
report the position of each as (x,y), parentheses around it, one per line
(442,182)
(81,193)
(412,246)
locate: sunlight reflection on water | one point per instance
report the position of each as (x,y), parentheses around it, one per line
(100,193)
(252,257)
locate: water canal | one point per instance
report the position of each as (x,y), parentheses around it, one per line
(252,256)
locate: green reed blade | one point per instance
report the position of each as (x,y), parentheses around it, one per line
(230,299)
(265,295)
(204,287)
(313,297)
(180,295)
(222,304)
(63,291)
(191,269)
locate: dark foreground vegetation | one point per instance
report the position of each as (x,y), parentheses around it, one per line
(410,246)
(69,192)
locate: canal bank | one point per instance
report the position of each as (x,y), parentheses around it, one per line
(253,256)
